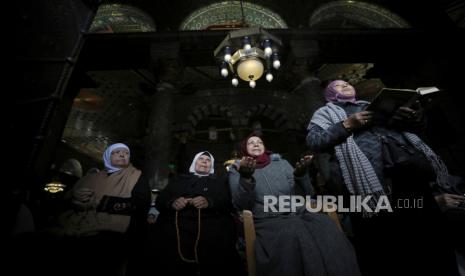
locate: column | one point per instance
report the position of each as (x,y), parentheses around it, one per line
(161,117)
(158,143)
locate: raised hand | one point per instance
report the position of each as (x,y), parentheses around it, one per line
(302,165)
(247,167)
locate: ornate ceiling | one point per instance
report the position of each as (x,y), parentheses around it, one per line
(230,13)
(113,111)
(116,107)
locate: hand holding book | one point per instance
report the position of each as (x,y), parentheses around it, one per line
(408,114)
(403,104)
(115,205)
(357,120)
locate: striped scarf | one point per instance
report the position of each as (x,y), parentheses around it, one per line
(357,171)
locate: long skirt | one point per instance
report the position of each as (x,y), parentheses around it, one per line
(303,244)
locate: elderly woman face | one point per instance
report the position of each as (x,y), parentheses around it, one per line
(203,164)
(344,88)
(255,146)
(120,158)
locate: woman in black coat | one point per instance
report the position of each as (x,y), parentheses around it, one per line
(196,233)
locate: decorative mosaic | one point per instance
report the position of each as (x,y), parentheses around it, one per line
(358,14)
(351,72)
(113,112)
(117,18)
(229,13)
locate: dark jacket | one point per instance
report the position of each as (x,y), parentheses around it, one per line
(174,234)
(140,203)
(213,188)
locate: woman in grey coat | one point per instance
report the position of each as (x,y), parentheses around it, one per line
(379,158)
(287,243)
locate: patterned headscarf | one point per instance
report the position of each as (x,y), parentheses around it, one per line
(332,95)
(107,157)
(212,168)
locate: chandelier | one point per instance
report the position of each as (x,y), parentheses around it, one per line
(248,54)
(54,187)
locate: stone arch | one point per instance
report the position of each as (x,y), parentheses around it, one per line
(355,14)
(204,111)
(229,13)
(119,18)
(276,115)
(351,72)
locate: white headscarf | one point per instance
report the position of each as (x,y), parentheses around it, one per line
(192,167)
(107,157)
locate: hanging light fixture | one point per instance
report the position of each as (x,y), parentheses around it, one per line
(54,187)
(248,54)
(232,160)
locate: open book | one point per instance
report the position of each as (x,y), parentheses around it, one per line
(388,100)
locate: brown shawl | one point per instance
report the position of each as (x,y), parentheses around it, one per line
(118,184)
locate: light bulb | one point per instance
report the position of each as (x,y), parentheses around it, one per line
(276,64)
(235,82)
(224,72)
(269,77)
(227,57)
(252,84)
(268,51)
(246,42)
